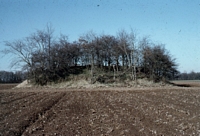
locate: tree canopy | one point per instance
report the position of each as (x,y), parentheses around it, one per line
(47,59)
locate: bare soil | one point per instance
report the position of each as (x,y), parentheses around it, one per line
(187,83)
(7,86)
(116,111)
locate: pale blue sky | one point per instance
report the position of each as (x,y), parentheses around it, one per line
(175,23)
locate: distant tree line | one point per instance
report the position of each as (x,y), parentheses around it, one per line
(11,77)
(189,76)
(47,59)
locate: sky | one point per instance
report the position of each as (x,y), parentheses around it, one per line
(175,23)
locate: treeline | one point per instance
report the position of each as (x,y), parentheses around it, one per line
(47,59)
(189,76)
(11,77)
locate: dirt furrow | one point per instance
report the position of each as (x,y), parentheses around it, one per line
(3,101)
(36,123)
(70,113)
(64,112)
(10,109)
(24,118)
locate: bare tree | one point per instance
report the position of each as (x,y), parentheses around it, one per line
(22,52)
(42,58)
(158,63)
(123,38)
(88,42)
(43,39)
(127,43)
(107,44)
(134,55)
(48,60)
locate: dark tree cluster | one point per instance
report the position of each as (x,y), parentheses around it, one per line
(11,77)
(189,76)
(47,59)
(158,64)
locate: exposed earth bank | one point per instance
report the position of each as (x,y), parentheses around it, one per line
(84,84)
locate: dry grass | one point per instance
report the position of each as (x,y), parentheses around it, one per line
(84,84)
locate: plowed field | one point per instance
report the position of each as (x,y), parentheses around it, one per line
(7,86)
(45,111)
